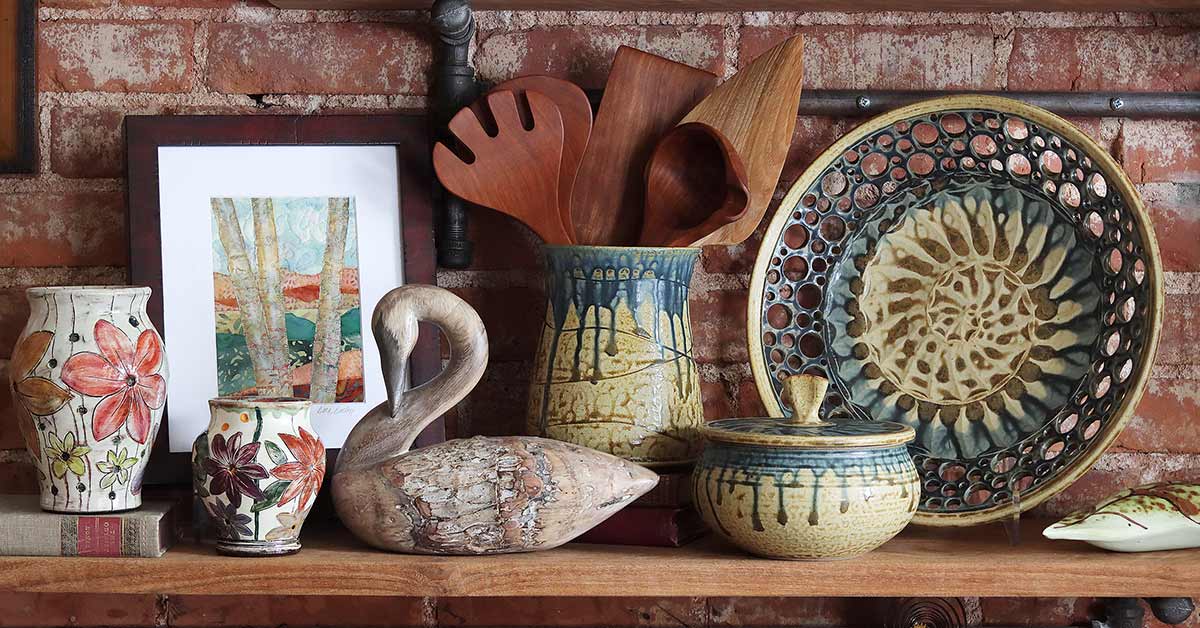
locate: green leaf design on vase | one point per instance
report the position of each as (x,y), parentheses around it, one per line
(275,452)
(271,495)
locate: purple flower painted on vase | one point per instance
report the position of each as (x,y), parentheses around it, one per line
(233,470)
(228,522)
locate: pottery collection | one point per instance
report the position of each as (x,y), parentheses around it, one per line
(614,369)
(257,472)
(804,489)
(89,384)
(465,496)
(1147,518)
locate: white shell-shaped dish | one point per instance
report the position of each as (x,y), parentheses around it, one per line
(1148,518)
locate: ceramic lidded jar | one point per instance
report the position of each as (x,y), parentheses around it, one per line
(257,472)
(89,384)
(805,489)
(614,369)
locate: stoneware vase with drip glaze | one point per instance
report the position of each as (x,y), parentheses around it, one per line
(805,489)
(614,369)
(89,384)
(257,471)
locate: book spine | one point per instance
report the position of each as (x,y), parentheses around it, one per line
(88,535)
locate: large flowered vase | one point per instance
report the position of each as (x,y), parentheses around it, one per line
(615,369)
(257,472)
(89,383)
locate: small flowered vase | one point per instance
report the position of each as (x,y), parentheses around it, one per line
(89,384)
(257,473)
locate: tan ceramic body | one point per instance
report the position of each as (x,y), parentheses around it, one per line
(614,369)
(805,504)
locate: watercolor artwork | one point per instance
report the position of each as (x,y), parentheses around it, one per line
(286,294)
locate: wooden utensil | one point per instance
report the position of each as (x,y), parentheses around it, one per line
(514,172)
(576,114)
(756,111)
(645,96)
(695,183)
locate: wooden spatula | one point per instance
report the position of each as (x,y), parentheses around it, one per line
(695,183)
(645,96)
(577,127)
(515,172)
(756,111)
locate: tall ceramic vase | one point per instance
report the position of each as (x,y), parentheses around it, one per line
(614,369)
(89,383)
(258,470)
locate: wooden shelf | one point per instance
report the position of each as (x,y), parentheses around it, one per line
(920,562)
(851,6)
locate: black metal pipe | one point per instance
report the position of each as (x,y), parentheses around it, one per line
(852,102)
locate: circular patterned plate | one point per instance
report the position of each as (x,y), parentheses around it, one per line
(975,268)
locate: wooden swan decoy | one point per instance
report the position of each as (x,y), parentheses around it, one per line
(466,496)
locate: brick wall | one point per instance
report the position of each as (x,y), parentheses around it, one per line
(102,59)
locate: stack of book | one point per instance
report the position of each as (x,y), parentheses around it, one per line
(664,517)
(27,530)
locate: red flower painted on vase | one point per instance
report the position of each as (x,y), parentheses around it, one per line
(233,469)
(307,473)
(126,376)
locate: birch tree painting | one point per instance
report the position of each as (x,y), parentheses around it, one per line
(287,299)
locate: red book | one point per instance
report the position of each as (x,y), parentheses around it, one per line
(27,530)
(654,527)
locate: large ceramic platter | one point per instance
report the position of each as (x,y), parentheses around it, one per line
(975,268)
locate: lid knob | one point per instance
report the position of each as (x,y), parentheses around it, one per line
(805,393)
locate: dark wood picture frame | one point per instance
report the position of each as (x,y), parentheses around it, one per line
(18,86)
(144,135)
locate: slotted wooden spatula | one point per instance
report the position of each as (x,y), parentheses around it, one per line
(756,111)
(645,95)
(515,172)
(577,127)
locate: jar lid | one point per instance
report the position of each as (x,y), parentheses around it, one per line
(805,428)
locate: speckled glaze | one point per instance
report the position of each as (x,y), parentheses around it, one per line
(801,488)
(614,367)
(1152,517)
(806,504)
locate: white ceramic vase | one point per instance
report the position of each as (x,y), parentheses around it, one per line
(89,383)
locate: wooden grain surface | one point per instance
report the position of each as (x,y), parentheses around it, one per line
(920,562)
(9,83)
(851,6)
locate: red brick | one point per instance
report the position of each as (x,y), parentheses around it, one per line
(325,58)
(71,229)
(882,57)
(86,143)
(1104,59)
(719,326)
(570,612)
(584,54)
(14,308)
(1116,472)
(496,407)
(1175,211)
(75,4)
(1180,339)
(1161,150)
(501,242)
(296,611)
(513,317)
(1036,611)
(205,4)
(777,611)
(1165,420)
(115,56)
(714,393)
(75,609)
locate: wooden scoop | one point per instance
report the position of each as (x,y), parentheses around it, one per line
(756,111)
(577,127)
(645,96)
(695,183)
(515,172)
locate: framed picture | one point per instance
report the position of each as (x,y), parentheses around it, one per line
(267,242)
(18,86)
